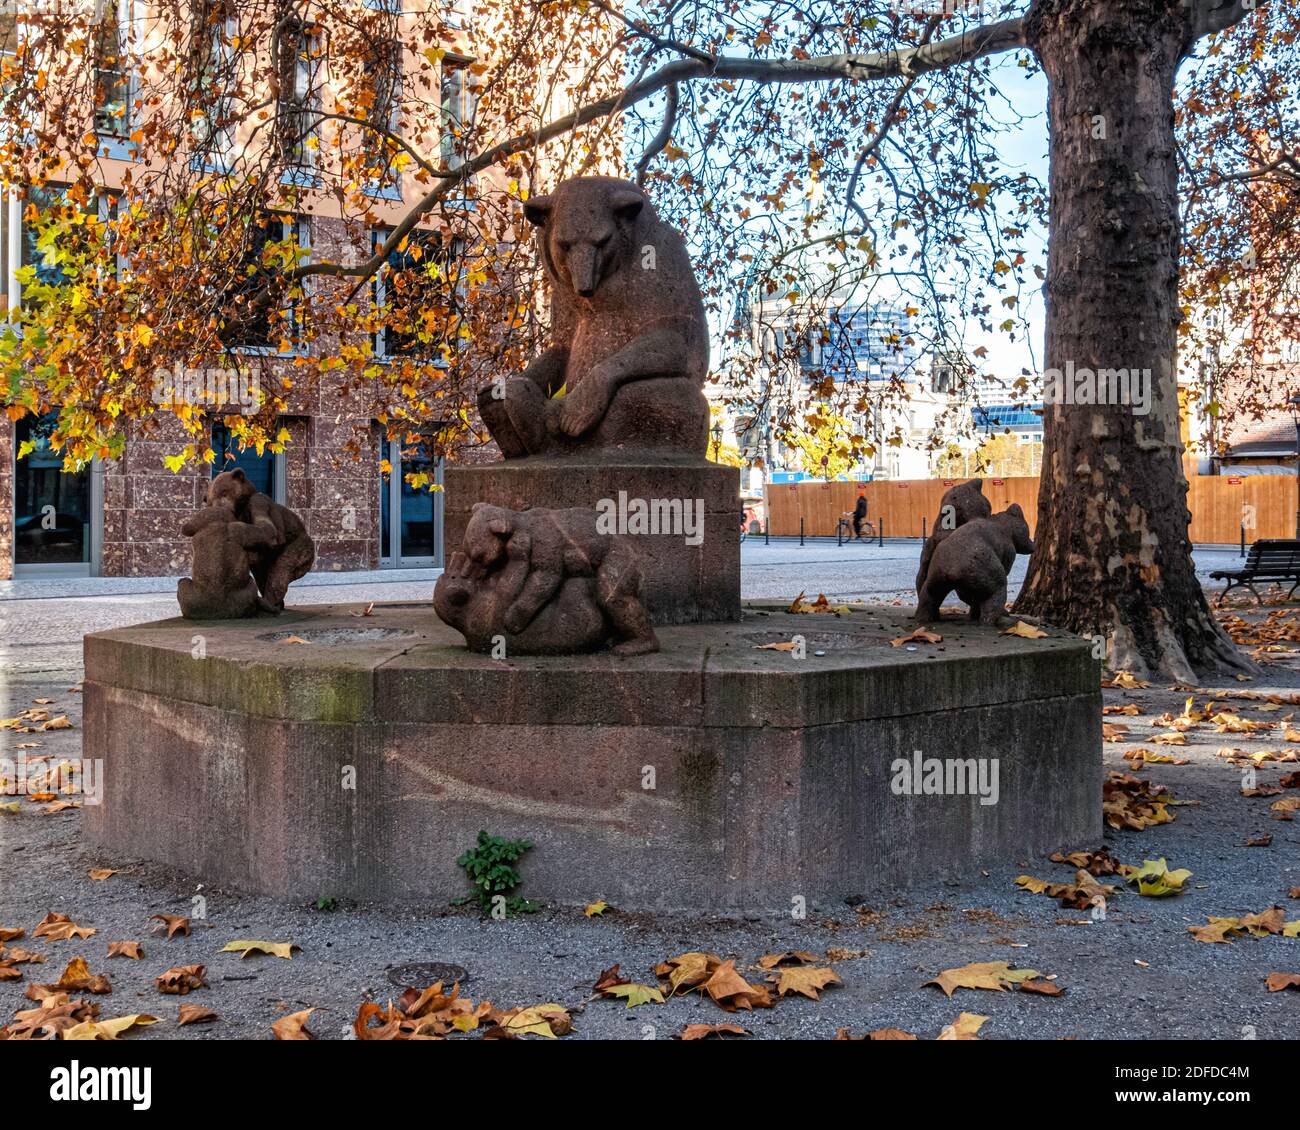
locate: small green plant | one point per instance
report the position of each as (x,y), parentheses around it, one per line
(489,867)
(327,902)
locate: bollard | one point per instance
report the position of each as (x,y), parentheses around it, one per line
(839,534)
(880,540)
(767,532)
(801,533)
(1243,539)
(922,529)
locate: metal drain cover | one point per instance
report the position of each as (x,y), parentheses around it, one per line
(419,975)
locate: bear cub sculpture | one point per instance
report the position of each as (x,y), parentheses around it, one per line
(544,582)
(960,504)
(221,586)
(973,560)
(290,552)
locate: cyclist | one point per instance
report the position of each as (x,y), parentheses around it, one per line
(859,515)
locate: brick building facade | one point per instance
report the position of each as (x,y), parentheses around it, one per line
(122,518)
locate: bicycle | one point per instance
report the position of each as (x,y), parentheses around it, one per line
(844,529)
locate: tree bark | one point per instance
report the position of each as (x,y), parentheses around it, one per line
(1112,553)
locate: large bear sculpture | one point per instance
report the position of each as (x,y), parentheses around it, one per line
(626,368)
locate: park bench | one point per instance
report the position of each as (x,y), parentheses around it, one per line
(1270,559)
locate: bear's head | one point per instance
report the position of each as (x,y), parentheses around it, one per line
(230,489)
(1012,519)
(486,534)
(588,227)
(963,503)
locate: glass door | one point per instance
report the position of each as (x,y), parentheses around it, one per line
(54,510)
(410,517)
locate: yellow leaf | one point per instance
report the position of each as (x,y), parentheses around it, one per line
(994,975)
(635,994)
(596,908)
(964,1027)
(1025,631)
(107,1029)
(276,949)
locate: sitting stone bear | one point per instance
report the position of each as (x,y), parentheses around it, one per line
(547,581)
(222,588)
(631,346)
(282,560)
(974,560)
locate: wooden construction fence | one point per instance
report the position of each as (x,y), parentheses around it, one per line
(1220,504)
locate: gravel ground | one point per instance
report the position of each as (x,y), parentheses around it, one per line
(1137,974)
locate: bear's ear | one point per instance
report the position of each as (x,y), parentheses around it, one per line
(537,210)
(1014,508)
(500,526)
(626,204)
(237,474)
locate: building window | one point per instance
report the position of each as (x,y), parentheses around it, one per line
(385,114)
(41,206)
(113,79)
(214,78)
(457,112)
(299,104)
(408,326)
(263,471)
(250,321)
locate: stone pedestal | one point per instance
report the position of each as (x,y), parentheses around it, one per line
(685,583)
(712,776)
